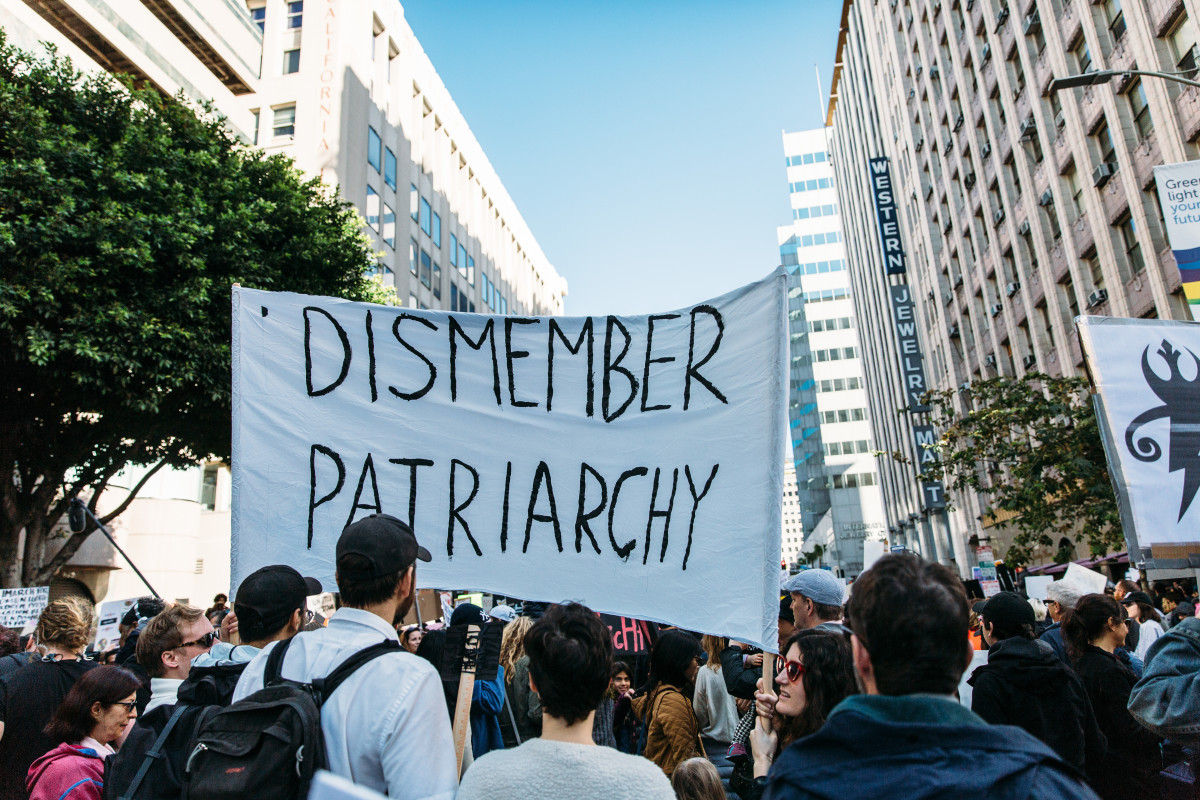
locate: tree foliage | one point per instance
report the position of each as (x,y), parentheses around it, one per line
(1029,446)
(125,219)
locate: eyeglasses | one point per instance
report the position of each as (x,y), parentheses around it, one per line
(129,706)
(793,670)
(205,641)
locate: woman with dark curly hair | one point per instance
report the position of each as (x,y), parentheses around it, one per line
(95,714)
(1132,762)
(815,673)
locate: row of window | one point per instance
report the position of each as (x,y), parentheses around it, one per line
(813,212)
(832,324)
(851,480)
(847,448)
(491,295)
(824,295)
(815,267)
(839,385)
(295,16)
(819,238)
(806,186)
(807,158)
(843,415)
(835,354)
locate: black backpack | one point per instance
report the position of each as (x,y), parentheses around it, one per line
(150,764)
(268,745)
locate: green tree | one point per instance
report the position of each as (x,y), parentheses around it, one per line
(1029,446)
(125,219)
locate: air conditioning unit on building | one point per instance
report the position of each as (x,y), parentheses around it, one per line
(1032,23)
(1028,128)
(912,93)
(970,4)
(985,149)
(998,216)
(1102,173)
(958,280)
(965,386)
(1029,361)
(937,7)
(958,122)
(947,227)
(1012,288)
(934,72)
(947,298)
(952,332)
(996,309)
(919,145)
(1060,120)
(893,4)
(1097,297)
(918,70)
(969,179)
(985,52)
(1046,199)
(990,360)
(1002,17)
(949,146)
(1023,228)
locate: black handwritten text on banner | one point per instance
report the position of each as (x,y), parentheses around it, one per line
(633,463)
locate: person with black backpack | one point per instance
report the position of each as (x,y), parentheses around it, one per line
(383,721)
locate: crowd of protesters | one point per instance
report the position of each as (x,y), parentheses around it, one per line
(906,688)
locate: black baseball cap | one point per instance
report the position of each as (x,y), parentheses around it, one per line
(1006,608)
(268,597)
(785,609)
(1137,597)
(387,544)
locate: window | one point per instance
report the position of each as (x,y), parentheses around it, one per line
(1115,17)
(1182,40)
(1083,57)
(437,230)
(1076,190)
(1108,153)
(426,269)
(259,15)
(454,297)
(373,208)
(295,13)
(462,262)
(1133,250)
(437,282)
(1140,109)
(389,225)
(389,168)
(257,119)
(426,213)
(291,61)
(414,199)
(374,145)
(453,250)
(284,123)
(412,258)
(471,270)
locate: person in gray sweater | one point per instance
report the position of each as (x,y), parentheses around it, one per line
(570,659)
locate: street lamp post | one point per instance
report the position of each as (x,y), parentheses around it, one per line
(1106,75)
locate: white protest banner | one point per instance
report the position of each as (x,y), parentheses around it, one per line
(1146,374)
(19,607)
(630,463)
(1035,586)
(108,620)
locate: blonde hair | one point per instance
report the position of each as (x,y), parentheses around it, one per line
(512,645)
(164,632)
(714,646)
(697,779)
(66,624)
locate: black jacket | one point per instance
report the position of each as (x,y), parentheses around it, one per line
(740,681)
(1131,766)
(1025,684)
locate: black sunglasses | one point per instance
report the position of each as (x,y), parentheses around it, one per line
(205,641)
(129,706)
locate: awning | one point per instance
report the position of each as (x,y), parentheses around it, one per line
(1053,569)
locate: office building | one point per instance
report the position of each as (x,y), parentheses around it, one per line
(343,88)
(1016,208)
(830,429)
(792,536)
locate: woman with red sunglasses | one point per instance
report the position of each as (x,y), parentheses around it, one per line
(815,673)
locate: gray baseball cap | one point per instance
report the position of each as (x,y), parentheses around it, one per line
(818,585)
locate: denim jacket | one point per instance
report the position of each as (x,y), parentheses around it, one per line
(1167,697)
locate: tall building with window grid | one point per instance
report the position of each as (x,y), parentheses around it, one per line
(1019,208)
(830,429)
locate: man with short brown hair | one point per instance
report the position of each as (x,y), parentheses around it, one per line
(167,646)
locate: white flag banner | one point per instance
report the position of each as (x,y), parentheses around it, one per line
(1147,378)
(630,463)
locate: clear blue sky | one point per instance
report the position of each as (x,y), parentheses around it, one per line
(640,140)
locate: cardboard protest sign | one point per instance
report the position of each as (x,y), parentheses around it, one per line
(1146,373)
(631,463)
(19,607)
(1089,580)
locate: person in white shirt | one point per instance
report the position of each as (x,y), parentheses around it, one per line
(386,726)
(570,659)
(166,647)
(1141,608)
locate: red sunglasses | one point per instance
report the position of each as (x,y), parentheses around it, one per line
(794,669)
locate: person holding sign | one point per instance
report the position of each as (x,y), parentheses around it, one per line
(907,735)
(570,658)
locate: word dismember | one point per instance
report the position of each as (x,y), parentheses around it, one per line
(582,512)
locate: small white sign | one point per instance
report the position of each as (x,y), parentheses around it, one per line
(108,622)
(1088,579)
(19,607)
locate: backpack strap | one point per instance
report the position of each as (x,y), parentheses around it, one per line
(155,752)
(323,688)
(273,669)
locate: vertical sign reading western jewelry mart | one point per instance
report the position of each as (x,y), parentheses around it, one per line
(885,214)
(1179,196)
